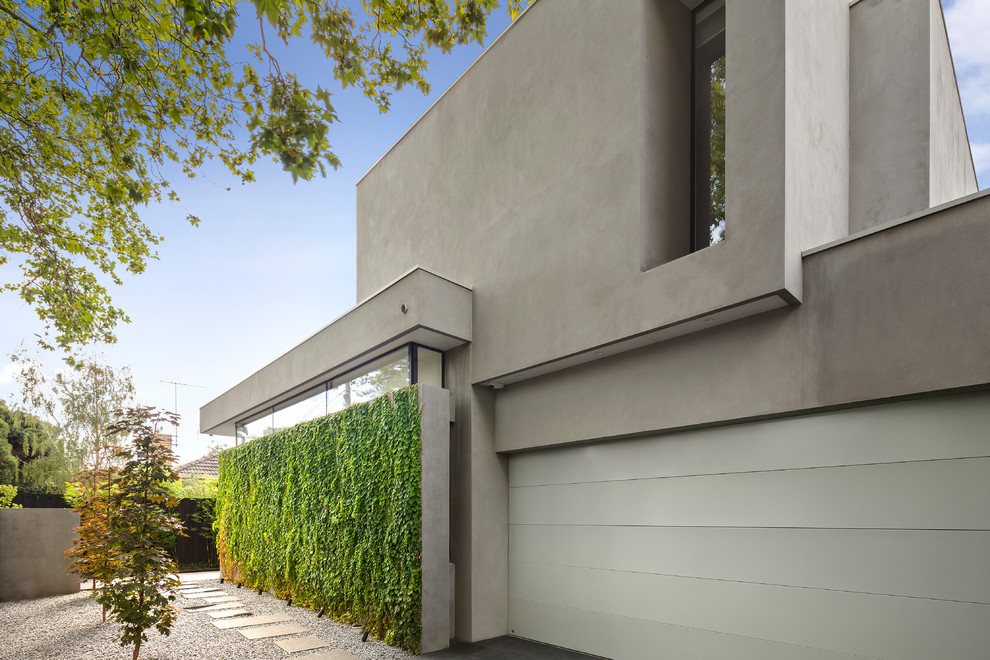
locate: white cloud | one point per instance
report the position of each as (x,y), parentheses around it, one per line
(981,155)
(9,372)
(968,24)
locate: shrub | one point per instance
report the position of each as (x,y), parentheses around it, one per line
(7,495)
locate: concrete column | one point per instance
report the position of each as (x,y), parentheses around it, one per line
(479,508)
(435,486)
(908,144)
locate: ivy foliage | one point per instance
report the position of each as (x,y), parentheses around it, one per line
(329,512)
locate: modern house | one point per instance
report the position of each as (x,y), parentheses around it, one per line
(707,283)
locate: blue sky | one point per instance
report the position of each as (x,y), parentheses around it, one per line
(273,262)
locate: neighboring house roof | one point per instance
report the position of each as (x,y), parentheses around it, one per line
(205,466)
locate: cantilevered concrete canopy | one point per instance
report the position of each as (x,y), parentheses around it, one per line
(419,307)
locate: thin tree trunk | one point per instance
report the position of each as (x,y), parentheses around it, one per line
(137,644)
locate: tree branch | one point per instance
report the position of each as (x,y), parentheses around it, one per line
(20,20)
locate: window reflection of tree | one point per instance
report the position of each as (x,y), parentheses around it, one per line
(375,383)
(717,179)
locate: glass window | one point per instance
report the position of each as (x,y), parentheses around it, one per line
(261,424)
(429,366)
(369,381)
(387,373)
(302,408)
(709,125)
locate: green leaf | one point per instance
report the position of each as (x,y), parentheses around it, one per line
(329,511)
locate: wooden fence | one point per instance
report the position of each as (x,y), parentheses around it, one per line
(41,501)
(199,548)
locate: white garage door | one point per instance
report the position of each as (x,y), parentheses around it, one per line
(860,533)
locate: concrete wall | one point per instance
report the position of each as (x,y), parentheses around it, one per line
(32,553)
(665,183)
(897,312)
(816,130)
(908,141)
(548,188)
(889,110)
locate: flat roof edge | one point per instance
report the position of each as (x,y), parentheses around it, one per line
(919,215)
(440,98)
(419,306)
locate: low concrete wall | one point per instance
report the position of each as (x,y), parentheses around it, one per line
(32,553)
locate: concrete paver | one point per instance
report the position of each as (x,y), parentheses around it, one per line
(212,608)
(273,631)
(206,594)
(252,621)
(222,599)
(198,576)
(301,644)
(223,614)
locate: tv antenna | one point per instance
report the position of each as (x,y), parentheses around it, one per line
(175,406)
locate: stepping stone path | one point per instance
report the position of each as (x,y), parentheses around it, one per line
(207,594)
(213,608)
(252,621)
(274,631)
(223,599)
(226,614)
(301,644)
(230,614)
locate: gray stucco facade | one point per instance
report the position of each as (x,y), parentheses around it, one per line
(544,205)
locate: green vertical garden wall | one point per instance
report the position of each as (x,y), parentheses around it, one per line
(329,512)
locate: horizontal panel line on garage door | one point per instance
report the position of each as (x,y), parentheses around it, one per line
(929,495)
(865,624)
(936,428)
(725,473)
(763,584)
(861,560)
(520,625)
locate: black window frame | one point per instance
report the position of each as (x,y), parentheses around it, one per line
(411,354)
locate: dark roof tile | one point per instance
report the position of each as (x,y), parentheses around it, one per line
(206,466)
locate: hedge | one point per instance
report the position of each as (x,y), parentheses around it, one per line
(329,513)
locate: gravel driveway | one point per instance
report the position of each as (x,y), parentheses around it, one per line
(70,627)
